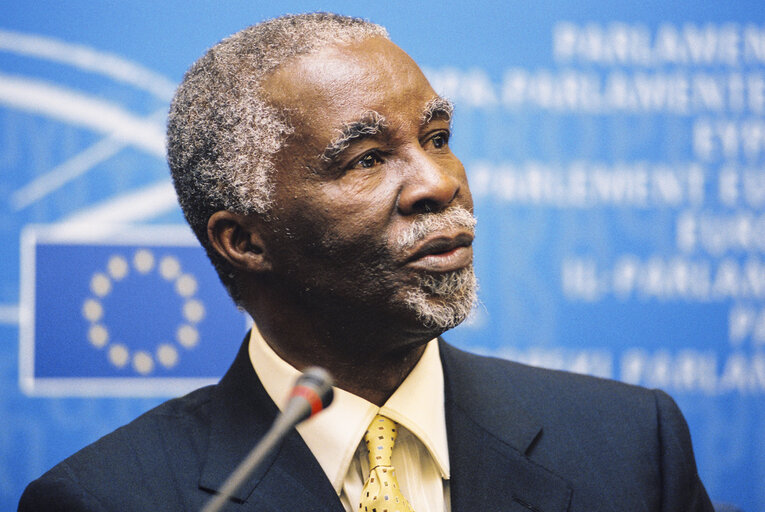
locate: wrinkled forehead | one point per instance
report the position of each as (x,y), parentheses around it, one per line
(338,84)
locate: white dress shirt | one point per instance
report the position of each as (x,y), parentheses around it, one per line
(335,437)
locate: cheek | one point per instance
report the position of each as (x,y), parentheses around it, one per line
(332,231)
(346,219)
(354,230)
(360,207)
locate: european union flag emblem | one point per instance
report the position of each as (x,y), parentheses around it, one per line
(138,312)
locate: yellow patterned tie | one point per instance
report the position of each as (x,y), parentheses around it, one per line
(381,492)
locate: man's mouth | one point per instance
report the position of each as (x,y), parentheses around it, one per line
(442,253)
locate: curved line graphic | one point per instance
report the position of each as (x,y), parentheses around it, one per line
(87,59)
(62,174)
(71,169)
(78,109)
(131,207)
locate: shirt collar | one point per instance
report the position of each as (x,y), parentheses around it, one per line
(334,435)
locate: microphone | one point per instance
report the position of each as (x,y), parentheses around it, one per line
(311,394)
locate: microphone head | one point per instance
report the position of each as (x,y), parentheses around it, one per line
(314,386)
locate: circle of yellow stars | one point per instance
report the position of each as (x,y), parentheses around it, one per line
(102,283)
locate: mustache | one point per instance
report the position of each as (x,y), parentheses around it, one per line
(454,217)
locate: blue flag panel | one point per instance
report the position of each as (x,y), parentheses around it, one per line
(125,317)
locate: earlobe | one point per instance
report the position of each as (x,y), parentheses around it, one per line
(237,239)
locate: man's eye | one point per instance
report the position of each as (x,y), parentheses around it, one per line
(440,140)
(369,160)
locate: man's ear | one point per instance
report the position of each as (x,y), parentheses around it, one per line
(237,238)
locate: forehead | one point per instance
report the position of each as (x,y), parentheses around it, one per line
(340,83)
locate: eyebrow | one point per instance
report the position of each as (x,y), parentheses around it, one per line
(371,123)
(437,108)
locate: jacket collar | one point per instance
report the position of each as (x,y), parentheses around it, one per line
(241,414)
(491,441)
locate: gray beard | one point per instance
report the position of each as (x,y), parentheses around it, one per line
(443,301)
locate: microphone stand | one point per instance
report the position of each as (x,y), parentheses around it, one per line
(269,442)
(310,395)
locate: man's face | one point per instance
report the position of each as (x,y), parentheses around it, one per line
(372,211)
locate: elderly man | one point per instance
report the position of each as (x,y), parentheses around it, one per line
(311,157)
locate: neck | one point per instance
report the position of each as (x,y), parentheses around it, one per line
(348,346)
(357,377)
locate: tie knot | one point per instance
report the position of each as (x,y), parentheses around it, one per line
(380,438)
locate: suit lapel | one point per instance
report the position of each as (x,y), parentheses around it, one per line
(491,440)
(290,479)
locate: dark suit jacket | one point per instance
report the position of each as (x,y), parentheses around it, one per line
(520,439)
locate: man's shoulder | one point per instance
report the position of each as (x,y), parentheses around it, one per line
(160,446)
(186,416)
(535,382)
(567,422)
(490,389)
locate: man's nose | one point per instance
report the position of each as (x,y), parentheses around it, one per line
(429,185)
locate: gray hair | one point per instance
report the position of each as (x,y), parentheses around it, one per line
(221,133)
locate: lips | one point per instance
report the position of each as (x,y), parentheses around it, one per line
(443,253)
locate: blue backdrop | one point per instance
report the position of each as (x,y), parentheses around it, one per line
(616,153)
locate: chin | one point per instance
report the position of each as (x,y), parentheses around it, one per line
(443,301)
